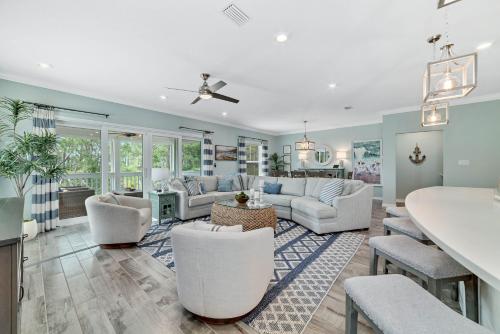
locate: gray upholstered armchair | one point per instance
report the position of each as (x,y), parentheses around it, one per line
(117,221)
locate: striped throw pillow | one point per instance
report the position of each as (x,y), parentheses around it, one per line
(331,190)
(192,187)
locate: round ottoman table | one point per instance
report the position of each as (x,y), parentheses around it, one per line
(251,216)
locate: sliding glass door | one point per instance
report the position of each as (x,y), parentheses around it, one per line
(191,157)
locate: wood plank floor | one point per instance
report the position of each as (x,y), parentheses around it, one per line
(127,291)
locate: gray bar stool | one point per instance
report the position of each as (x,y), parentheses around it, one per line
(397,305)
(433,266)
(404,225)
(397,211)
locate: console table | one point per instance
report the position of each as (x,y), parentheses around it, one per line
(163,205)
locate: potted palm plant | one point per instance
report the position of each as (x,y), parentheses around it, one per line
(22,155)
(276,162)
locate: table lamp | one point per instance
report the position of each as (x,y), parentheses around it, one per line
(340,156)
(160,176)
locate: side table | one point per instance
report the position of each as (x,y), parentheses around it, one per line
(163,205)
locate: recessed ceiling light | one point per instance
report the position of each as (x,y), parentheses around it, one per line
(44,65)
(163,97)
(224,114)
(484,45)
(281,37)
(332,85)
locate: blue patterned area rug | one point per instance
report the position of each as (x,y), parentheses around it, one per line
(306,267)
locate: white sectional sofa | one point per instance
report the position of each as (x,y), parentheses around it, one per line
(298,201)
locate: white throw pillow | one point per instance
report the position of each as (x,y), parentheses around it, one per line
(109,198)
(331,190)
(177,185)
(202,226)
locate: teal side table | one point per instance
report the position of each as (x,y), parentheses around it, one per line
(163,205)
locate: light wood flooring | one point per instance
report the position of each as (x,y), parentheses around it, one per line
(127,291)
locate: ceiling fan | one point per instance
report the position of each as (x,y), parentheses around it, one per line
(206,92)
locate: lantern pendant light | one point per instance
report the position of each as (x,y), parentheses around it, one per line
(435,114)
(305,144)
(450,77)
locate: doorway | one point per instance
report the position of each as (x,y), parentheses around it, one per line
(413,174)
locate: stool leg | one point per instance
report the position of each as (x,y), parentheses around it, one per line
(434,287)
(386,267)
(472,299)
(386,231)
(373,261)
(351,317)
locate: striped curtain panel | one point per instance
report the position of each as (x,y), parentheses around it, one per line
(45,199)
(242,156)
(264,165)
(208,156)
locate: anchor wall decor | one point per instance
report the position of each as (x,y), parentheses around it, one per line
(417,160)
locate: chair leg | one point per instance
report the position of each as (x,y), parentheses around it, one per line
(387,231)
(386,267)
(472,299)
(434,287)
(351,317)
(373,261)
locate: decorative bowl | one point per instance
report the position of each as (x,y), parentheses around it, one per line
(241,198)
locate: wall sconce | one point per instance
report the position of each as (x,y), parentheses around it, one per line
(341,155)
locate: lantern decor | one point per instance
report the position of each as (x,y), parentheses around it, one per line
(305,144)
(435,114)
(450,77)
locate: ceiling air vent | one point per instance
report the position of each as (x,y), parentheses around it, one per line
(236,15)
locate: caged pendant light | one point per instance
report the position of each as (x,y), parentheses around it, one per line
(450,77)
(305,144)
(435,114)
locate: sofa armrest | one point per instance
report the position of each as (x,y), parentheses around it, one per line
(181,203)
(134,202)
(355,210)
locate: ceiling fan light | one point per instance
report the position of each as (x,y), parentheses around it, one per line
(205,96)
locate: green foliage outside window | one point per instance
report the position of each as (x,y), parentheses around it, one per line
(191,157)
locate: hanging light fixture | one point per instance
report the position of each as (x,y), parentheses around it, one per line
(450,77)
(435,114)
(305,144)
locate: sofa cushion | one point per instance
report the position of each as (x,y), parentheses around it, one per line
(281,200)
(331,190)
(210,182)
(257,179)
(314,208)
(314,185)
(225,185)
(353,186)
(203,226)
(272,188)
(223,196)
(201,199)
(347,190)
(144,215)
(292,186)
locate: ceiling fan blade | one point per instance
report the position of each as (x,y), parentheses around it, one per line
(196,100)
(183,90)
(216,86)
(224,97)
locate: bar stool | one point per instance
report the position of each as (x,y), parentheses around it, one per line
(397,305)
(397,211)
(433,266)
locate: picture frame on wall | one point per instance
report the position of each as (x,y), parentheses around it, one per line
(226,153)
(287,159)
(287,149)
(367,161)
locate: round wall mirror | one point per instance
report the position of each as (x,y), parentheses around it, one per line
(323,154)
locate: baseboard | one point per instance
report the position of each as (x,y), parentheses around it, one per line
(377,198)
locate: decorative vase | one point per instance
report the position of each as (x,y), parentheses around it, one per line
(30,228)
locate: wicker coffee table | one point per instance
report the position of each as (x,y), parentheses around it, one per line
(250,216)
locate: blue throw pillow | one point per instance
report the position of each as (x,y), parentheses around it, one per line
(272,188)
(331,190)
(225,186)
(203,190)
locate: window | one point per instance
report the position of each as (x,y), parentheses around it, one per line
(191,157)
(125,161)
(252,153)
(164,153)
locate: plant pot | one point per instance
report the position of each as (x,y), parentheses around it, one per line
(30,228)
(241,200)
(11,210)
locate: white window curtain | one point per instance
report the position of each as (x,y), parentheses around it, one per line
(208,156)
(242,156)
(264,165)
(45,199)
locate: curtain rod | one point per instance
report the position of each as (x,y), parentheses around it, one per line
(46,106)
(197,130)
(259,139)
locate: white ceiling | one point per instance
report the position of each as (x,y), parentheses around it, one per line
(127,51)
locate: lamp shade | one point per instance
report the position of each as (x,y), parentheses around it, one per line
(341,155)
(158,174)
